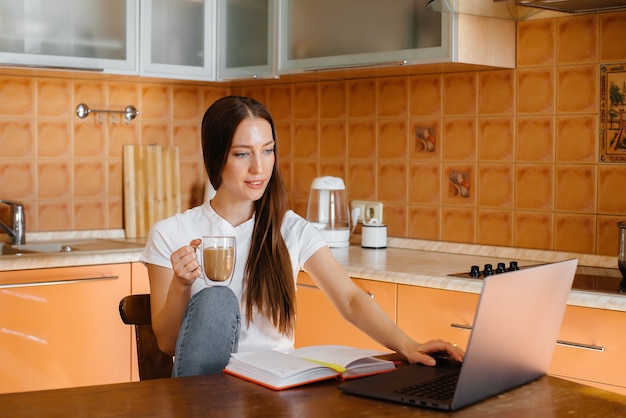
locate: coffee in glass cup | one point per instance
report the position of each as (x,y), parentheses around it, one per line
(218,259)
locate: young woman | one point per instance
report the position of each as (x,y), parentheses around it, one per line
(203,325)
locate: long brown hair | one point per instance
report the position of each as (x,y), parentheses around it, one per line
(268,277)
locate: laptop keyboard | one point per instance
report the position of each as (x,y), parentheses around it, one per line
(439,389)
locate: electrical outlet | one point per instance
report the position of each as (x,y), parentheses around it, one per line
(367,210)
(360,205)
(373,210)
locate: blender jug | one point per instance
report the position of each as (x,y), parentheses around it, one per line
(327,210)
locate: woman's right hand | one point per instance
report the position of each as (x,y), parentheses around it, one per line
(185,263)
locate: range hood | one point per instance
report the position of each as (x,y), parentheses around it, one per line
(571,6)
(521,9)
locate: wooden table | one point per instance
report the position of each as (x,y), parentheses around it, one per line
(226,396)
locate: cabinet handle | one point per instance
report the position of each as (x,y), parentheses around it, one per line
(310,286)
(83,279)
(355,66)
(582,346)
(461,326)
(570,344)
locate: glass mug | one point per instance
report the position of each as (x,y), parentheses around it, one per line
(218,259)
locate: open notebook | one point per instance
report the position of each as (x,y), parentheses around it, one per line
(515,329)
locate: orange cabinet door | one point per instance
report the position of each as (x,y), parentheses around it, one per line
(425,314)
(318,322)
(592,348)
(61,327)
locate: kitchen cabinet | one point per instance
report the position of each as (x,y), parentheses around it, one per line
(325,34)
(60,327)
(87,34)
(426,313)
(178,39)
(318,322)
(590,350)
(246,39)
(596,357)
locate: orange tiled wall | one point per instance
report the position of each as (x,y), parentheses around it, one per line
(523,143)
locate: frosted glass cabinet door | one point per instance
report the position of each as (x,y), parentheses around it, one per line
(318,34)
(84,34)
(177,39)
(246,38)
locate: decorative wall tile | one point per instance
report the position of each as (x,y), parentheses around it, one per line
(279,102)
(333,100)
(54,139)
(333,139)
(425,140)
(54,98)
(54,180)
(156,102)
(534,230)
(362,140)
(17,139)
(494,186)
(612,28)
(187,103)
(496,139)
(536,42)
(535,139)
(460,94)
(362,98)
(576,138)
(494,227)
(425,95)
(425,183)
(576,188)
(425,223)
(392,182)
(393,97)
(577,39)
(497,92)
(17,96)
(535,90)
(305,140)
(577,87)
(574,233)
(458,225)
(306,101)
(54,216)
(534,186)
(393,139)
(460,139)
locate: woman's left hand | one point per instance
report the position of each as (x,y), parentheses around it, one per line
(421,352)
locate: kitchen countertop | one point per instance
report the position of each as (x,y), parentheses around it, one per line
(405,261)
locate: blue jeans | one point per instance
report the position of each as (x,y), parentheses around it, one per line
(208,334)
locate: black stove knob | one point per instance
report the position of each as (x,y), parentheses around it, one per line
(501,268)
(474,271)
(513,266)
(488,271)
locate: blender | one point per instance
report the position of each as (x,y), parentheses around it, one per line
(327,210)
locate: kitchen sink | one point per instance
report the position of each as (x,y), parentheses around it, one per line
(51,247)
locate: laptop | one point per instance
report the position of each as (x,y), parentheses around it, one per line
(513,337)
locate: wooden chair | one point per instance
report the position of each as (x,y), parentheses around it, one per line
(153,363)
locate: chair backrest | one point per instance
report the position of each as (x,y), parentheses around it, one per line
(153,363)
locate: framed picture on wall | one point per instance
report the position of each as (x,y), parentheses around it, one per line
(612,109)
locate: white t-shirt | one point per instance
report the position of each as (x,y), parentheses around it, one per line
(168,235)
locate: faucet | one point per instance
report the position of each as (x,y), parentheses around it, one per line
(17,221)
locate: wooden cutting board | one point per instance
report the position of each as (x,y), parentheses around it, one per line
(151,186)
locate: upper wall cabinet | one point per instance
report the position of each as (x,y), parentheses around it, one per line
(326,34)
(77,34)
(246,38)
(178,39)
